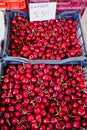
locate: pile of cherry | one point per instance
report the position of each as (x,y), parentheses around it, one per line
(43,97)
(53,39)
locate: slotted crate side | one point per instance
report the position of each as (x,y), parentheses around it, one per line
(70,61)
(73,14)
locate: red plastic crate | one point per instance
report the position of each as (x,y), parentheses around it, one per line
(13,4)
(77,5)
(66,5)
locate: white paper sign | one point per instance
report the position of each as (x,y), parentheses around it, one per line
(42,11)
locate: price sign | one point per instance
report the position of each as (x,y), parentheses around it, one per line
(42,11)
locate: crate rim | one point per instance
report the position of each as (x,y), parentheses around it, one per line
(60,62)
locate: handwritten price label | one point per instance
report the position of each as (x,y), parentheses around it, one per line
(42,11)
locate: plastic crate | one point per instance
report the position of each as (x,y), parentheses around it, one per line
(66,5)
(13,4)
(71,5)
(8,61)
(73,14)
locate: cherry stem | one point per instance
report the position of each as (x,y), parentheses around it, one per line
(3,91)
(58,123)
(4,76)
(9,52)
(9,96)
(71,116)
(85,105)
(32,121)
(38,125)
(63,127)
(23,126)
(45,91)
(21,108)
(0,113)
(19,123)
(40,83)
(27,112)
(32,102)
(8,122)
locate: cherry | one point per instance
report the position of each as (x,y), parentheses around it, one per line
(52,110)
(53,120)
(76,124)
(7,100)
(6,80)
(38,99)
(42,127)
(66,119)
(4,87)
(43,112)
(4,127)
(68,126)
(75,104)
(84,124)
(15,91)
(19,96)
(1,121)
(11,108)
(48,115)
(38,118)
(77,118)
(49,127)
(46,121)
(37,110)
(17,86)
(81,111)
(30,87)
(30,118)
(34,126)
(16,76)
(14,121)
(2,109)
(18,106)
(19,127)
(17,114)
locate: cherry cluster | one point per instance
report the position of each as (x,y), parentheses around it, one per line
(43,97)
(53,39)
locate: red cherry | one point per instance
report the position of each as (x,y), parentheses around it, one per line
(76,124)
(52,110)
(46,121)
(30,118)
(14,120)
(81,111)
(1,121)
